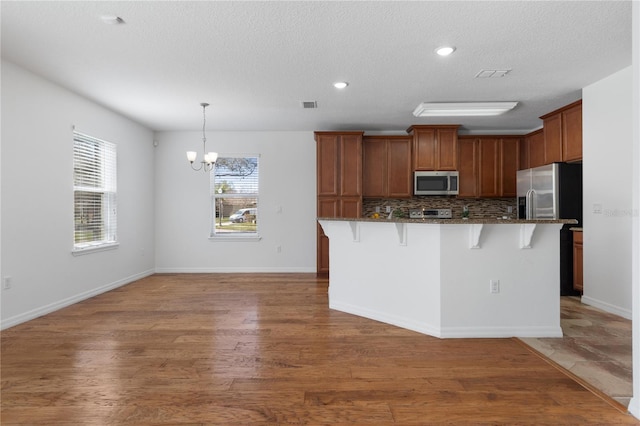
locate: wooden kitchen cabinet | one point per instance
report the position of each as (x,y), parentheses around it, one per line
(467,167)
(509,159)
(552,131)
(386,167)
(532,150)
(577,261)
(572,133)
(487,166)
(435,147)
(339,183)
(563,134)
(339,164)
(489,173)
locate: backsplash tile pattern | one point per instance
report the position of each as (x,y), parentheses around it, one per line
(481,208)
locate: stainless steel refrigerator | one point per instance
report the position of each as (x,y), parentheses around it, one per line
(554,191)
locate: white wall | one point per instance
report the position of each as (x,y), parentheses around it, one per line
(37,198)
(183,207)
(607,182)
(634,405)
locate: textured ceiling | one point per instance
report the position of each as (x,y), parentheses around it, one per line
(254,62)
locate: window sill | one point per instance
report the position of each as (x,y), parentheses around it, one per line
(94,248)
(238,237)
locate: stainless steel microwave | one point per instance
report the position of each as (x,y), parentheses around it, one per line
(435,183)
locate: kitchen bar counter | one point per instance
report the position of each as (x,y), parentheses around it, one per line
(449,277)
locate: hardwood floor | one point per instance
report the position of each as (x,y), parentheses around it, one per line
(265,349)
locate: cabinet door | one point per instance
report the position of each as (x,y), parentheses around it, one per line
(327,160)
(536,149)
(523,161)
(577,262)
(374,167)
(446,149)
(572,133)
(467,167)
(350,165)
(552,130)
(424,149)
(489,167)
(399,172)
(510,157)
(351,207)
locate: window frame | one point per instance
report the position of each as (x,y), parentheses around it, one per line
(106,173)
(214,197)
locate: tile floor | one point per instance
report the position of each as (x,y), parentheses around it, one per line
(596,347)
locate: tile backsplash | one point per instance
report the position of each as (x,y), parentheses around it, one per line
(479,208)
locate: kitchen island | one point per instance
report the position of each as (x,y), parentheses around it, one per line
(448,277)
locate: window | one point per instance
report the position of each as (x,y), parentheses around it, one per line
(234,197)
(94,193)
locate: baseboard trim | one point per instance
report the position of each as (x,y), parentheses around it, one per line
(237,270)
(401,322)
(52,307)
(607,307)
(446,332)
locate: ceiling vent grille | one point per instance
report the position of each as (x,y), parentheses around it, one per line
(309,104)
(492,73)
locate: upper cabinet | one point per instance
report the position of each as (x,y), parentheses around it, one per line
(509,159)
(339,164)
(532,150)
(488,165)
(572,133)
(387,167)
(563,134)
(435,147)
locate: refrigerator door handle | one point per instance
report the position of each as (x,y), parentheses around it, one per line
(531,197)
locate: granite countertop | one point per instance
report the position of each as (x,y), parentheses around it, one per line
(576,229)
(459,221)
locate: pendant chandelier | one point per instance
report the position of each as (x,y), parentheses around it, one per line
(208,158)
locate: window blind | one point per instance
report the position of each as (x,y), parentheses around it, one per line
(234,186)
(94,191)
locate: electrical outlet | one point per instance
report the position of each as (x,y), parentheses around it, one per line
(387,209)
(278,249)
(377,209)
(494,286)
(509,209)
(7,283)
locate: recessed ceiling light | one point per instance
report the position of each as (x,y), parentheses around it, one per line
(340,84)
(445,50)
(452,109)
(112,19)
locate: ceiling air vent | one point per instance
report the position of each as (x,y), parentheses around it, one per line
(309,104)
(492,73)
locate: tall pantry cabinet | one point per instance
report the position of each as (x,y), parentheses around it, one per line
(339,183)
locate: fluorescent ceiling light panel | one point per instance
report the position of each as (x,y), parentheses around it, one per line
(453,109)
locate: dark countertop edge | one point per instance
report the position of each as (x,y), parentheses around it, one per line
(485,221)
